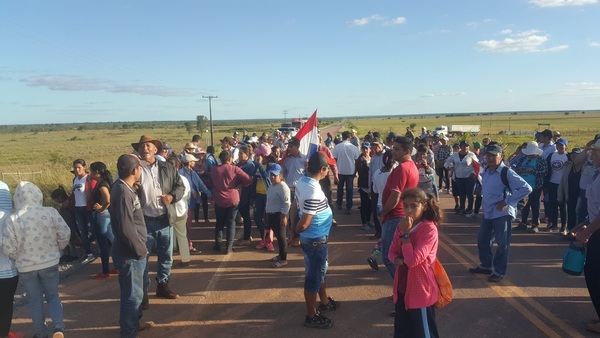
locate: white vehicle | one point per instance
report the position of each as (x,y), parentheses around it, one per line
(458,129)
(289,130)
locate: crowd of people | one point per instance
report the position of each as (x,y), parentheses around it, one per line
(158,194)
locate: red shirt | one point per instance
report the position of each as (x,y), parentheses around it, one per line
(227,179)
(404,176)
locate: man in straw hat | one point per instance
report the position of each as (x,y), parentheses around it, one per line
(587,232)
(160,188)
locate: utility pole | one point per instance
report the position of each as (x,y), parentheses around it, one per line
(209,97)
(285,112)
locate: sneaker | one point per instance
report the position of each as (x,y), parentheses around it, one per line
(270,247)
(479,270)
(494,278)
(521,226)
(331,306)
(373,263)
(534,230)
(334,222)
(318,321)
(101,276)
(366,228)
(261,244)
(183,264)
(194,250)
(471,215)
(88,259)
(564,232)
(145,325)
(58,333)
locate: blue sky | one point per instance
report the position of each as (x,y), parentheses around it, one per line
(96,61)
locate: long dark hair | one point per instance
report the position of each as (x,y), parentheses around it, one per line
(433,212)
(100,167)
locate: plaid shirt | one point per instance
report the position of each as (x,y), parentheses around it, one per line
(443,152)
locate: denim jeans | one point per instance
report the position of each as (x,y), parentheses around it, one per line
(104,235)
(225,218)
(260,207)
(582,211)
(160,235)
(498,229)
(388,229)
(83,219)
(131,281)
(39,285)
(315,262)
(348,181)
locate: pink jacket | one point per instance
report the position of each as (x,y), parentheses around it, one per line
(419,256)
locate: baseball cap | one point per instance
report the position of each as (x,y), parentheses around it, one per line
(318,160)
(366,145)
(477,145)
(274,169)
(464,144)
(126,164)
(494,149)
(391,135)
(562,141)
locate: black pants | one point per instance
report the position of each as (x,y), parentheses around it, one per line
(414,323)
(204,200)
(554,207)
(442,173)
(325,184)
(466,187)
(365,206)
(533,203)
(592,270)
(374,199)
(274,223)
(8,286)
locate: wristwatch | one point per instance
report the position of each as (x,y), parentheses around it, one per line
(406,236)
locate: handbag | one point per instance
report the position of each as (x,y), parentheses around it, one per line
(574,259)
(444,285)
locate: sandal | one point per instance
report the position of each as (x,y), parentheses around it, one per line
(279,264)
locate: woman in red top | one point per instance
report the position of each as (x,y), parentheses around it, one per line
(413,251)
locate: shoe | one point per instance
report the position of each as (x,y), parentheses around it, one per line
(145,301)
(114,272)
(331,306)
(333,222)
(480,271)
(366,228)
(471,215)
(521,226)
(318,321)
(88,259)
(184,264)
(564,232)
(376,237)
(373,263)
(163,291)
(466,211)
(348,212)
(270,247)
(296,242)
(229,250)
(494,278)
(245,242)
(534,230)
(261,244)
(193,250)
(145,325)
(279,264)
(552,228)
(58,333)
(217,247)
(456,208)
(101,276)
(544,219)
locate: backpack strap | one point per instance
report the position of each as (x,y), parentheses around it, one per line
(504,178)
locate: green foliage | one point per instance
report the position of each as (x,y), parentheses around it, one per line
(412,126)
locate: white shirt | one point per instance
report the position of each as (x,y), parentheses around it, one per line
(379,181)
(345,153)
(79,191)
(181,207)
(557,165)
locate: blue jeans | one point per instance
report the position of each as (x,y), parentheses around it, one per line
(131,281)
(225,218)
(348,181)
(388,229)
(315,262)
(260,207)
(83,219)
(160,235)
(43,284)
(498,229)
(104,235)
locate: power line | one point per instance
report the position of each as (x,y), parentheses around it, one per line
(210,97)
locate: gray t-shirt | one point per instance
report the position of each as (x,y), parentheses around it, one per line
(278,198)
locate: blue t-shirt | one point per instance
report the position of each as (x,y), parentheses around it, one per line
(312,200)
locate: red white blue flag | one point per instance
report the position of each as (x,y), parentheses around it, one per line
(309,136)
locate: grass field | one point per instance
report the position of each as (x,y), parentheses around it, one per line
(51,153)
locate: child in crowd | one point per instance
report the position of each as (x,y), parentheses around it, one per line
(414,251)
(426,177)
(67,211)
(375,254)
(278,207)
(37,260)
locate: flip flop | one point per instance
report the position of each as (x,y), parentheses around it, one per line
(274,259)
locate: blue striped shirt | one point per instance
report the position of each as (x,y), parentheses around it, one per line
(312,200)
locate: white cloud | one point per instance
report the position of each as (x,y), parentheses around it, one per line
(594,44)
(444,94)
(366,20)
(475,24)
(527,41)
(77,83)
(506,32)
(583,85)
(561,3)
(396,21)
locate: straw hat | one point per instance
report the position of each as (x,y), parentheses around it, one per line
(532,148)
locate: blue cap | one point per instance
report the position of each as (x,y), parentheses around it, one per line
(366,145)
(562,141)
(274,169)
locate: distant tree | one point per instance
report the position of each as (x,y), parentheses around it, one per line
(201,124)
(412,126)
(189,127)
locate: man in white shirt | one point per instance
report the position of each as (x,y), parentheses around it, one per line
(557,162)
(345,153)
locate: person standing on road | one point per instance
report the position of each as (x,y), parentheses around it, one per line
(277,208)
(160,188)
(34,236)
(499,209)
(463,164)
(313,230)
(292,165)
(129,249)
(403,177)
(587,233)
(414,251)
(83,208)
(345,154)
(362,169)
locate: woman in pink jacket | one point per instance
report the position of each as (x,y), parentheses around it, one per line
(414,251)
